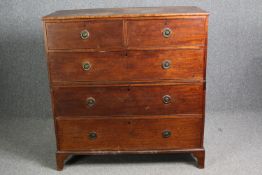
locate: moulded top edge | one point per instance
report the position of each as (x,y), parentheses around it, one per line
(132,12)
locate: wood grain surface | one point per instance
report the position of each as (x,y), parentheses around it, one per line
(126,100)
(102,34)
(127,66)
(126,12)
(125,133)
(126,80)
(149,33)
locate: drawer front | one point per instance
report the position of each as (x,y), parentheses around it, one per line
(92,66)
(120,134)
(166,33)
(84,35)
(127,66)
(124,100)
(166,65)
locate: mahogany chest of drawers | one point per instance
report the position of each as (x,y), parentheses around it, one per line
(127,80)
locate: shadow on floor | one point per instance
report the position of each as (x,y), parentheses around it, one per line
(126,159)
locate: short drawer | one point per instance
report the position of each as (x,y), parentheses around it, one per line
(127,66)
(166,33)
(84,35)
(166,65)
(92,66)
(128,100)
(120,134)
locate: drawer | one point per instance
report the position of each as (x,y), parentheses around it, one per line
(127,66)
(120,134)
(92,66)
(128,100)
(166,65)
(166,33)
(84,35)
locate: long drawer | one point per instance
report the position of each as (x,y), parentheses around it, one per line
(120,134)
(128,100)
(127,66)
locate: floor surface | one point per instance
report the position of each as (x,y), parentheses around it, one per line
(233,145)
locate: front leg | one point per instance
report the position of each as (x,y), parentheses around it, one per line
(60,159)
(200,155)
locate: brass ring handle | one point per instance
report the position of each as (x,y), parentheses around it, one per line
(166,134)
(166,32)
(84,34)
(166,64)
(92,135)
(90,101)
(166,99)
(86,66)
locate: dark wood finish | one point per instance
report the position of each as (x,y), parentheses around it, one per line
(127,133)
(105,66)
(147,65)
(134,12)
(139,34)
(126,100)
(164,151)
(126,49)
(148,33)
(200,155)
(60,160)
(127,66)
(103,34)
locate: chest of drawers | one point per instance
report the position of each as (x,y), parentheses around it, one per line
(127,80)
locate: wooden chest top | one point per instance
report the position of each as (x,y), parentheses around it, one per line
(127,12)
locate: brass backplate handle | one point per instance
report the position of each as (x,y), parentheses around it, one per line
(166,99)
(166,32)
(92,135)
(166,134)
(90,101)
(84,34)
(86,66)
(166,64)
